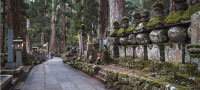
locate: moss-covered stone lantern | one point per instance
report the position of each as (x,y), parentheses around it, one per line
(124,22)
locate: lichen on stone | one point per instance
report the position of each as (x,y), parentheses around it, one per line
(191,10)
(173,18)
(156,20)
(131,27)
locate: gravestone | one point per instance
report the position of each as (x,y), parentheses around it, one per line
(10,63)
(195,25)
(194,49)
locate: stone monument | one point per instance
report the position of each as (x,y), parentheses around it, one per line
(10,63)
(18,45)
(194,48)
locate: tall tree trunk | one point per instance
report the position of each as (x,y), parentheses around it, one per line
(4,26)
(63,45)
(28,50)
(44,23)
(103,21)
(1,31)
(171,5)
(52,40)
(13,17)
(116,11)
(42,38)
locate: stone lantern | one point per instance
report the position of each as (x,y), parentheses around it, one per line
(18,46)
(35,51)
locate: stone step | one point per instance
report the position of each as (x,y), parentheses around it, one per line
(102,74)
(101,79)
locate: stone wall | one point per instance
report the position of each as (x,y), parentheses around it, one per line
(162,38)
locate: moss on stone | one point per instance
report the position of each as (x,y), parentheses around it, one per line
(188,77)
(115,23)
(193,46)
(145,13)
(124,73)
(156,20)
(136,15)
(173,18)
(191,10)
(83,26)
(125,18)
(158,4)
(121,31)
(195,55)
(131,28)
(113,33)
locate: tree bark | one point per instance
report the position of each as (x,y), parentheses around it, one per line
(103,21)
(63,41)
(171,5)
(28,50)
(44,23)
(116,11)
(4,26)
(42,38)
(1,31)
(52,40)
(13,17)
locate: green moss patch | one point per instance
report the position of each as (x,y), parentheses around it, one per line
(173,18)
(156,20)
(187,77)
(138,82)
(191,10)
(116,23)
(193,46)
(121,31)
(90,69)
(113,33)
(194,55)
(82,26)
(125,18)
(131,28)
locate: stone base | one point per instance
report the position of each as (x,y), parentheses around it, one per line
(5,82)
(16,72)
(130,51)
(115,50)
(122,51)
(156,52)
(10,65)
(195,60)
(141,52)
(174,52)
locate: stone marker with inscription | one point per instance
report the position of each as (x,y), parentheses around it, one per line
(10,63)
